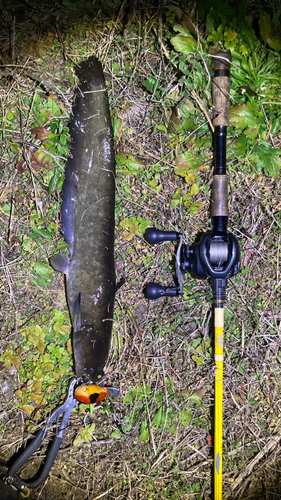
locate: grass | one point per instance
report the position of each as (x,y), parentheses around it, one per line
(155,441)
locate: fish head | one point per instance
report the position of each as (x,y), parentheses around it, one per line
(90,354)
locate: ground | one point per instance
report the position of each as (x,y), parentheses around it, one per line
(155,441)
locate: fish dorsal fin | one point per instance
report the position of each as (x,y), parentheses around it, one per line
(60,262)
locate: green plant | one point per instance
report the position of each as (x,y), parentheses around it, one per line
(43,361)
(255,80)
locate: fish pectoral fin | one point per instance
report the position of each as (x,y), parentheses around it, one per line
(60,262)
(113,392)
(120,284)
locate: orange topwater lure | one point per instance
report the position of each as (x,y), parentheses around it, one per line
(90,394)
(93,394)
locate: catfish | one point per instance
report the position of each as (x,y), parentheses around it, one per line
(87,217)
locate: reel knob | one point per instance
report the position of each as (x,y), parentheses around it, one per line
(154,236)
(154,291)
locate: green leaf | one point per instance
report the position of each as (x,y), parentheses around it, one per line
(194,189)
(267,159)
(275,126)
(6,208)
(273,43)
(185,417)
(195,399)
(184,44)
(10,116)
(131,164)
(249,37)
(182,169)
(42,282)
(181,29)
(243,49)
(149,83)
(85,435)
(196,487)
(41,232)
(115,125)
(144,435)
(54,181)
(265,26)
(198,360)
(216,36)
(63,139)
(188,124)
(242,116)
(116,434)
(196,342)
(229,35)
(129,398)
(210,24)
(241,146)
(159,418)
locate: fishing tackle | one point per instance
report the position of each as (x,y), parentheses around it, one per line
(91,394)
(94,394)
(216,255)
(61,416)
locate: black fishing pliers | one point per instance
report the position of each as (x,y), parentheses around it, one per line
(61,415)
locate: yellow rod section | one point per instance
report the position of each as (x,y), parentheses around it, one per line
(219,326)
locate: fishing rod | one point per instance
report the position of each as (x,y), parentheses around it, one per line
(216,256)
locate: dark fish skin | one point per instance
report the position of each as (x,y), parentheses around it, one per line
(88,223)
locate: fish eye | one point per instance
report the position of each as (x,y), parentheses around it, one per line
(91,370)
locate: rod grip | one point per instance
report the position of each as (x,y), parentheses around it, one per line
(221,89)
(219,199)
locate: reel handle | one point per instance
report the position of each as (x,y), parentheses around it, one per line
(154,291)
(154,236)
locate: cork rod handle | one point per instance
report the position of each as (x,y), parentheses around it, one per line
(221,88)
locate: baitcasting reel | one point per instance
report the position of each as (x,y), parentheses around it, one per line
(216,256)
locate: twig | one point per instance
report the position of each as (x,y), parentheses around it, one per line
(8,276)
(49,154)
(27,159)
(273,442)
(107,491)
(269,126)
(29,114)
(160,40)
(12,212)
(202,107)
(10,263)
(13,37)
